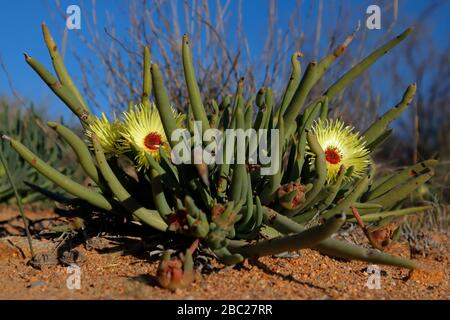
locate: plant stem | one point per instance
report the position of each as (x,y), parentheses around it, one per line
(19,202)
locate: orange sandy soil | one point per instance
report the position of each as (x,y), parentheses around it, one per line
(118,274)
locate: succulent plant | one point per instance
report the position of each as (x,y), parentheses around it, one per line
(233,210)
(28,127)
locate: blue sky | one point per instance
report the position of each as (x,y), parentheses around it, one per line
(20,32)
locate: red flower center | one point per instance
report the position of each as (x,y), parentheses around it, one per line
(152,141)
(332,155)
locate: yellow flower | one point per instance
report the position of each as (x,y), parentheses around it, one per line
(143,133)
(108,134)
(342,146)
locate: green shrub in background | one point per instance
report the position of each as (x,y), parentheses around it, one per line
(27,126)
